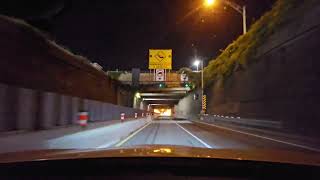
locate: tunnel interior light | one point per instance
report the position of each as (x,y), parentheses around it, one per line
(166,112)
(138,95)
(163,112)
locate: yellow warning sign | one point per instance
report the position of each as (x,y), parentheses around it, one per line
(160,59)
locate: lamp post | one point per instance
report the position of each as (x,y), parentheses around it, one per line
(197,63)
(240,9)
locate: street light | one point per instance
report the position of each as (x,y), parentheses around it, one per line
(238,8)
(209,2)
(197,63)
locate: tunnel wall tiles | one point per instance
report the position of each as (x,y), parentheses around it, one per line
(27,109)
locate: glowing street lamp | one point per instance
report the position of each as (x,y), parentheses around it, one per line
(240,9)
(209,2)
(197,63)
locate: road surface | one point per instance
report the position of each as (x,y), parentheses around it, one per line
(187,133)
(142,132)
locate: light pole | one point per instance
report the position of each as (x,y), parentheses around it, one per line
(197,63)
(238,8)
(241,10)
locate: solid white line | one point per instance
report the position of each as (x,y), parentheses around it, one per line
(202,142)
(107,145)
(133,134)
(263,137)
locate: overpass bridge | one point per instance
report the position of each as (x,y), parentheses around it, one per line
(147,78)
(152,94)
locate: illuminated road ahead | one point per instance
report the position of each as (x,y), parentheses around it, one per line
(187,133)
(165,132)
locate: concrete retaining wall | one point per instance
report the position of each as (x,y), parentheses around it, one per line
(187,107)
(27,109)
(282,85)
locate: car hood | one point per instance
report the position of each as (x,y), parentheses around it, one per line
(279,156)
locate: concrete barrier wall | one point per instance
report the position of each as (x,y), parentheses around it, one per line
(27,109)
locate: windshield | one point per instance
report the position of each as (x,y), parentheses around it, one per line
(208,74)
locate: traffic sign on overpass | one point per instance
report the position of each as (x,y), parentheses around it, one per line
(160,59)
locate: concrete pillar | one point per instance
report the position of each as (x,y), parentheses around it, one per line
(86,107)
(8,108)
(104,112)
(49,111)
(27,109)
(4,115)
(65,115)
(75,107)
(94,110)
(100,111)
(89,106)
(116,110)
(107,111)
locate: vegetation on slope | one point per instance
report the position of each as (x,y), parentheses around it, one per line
(242,52)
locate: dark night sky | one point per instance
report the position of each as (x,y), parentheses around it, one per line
(118,34)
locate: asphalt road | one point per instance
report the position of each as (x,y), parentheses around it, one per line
(164,132)
(143,132)
(187,133)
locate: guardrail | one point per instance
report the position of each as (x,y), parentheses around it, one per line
(269,124)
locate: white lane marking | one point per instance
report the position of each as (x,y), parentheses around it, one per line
(170,122)
(263,137)
(202,142)
(133,134)
(107,145)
